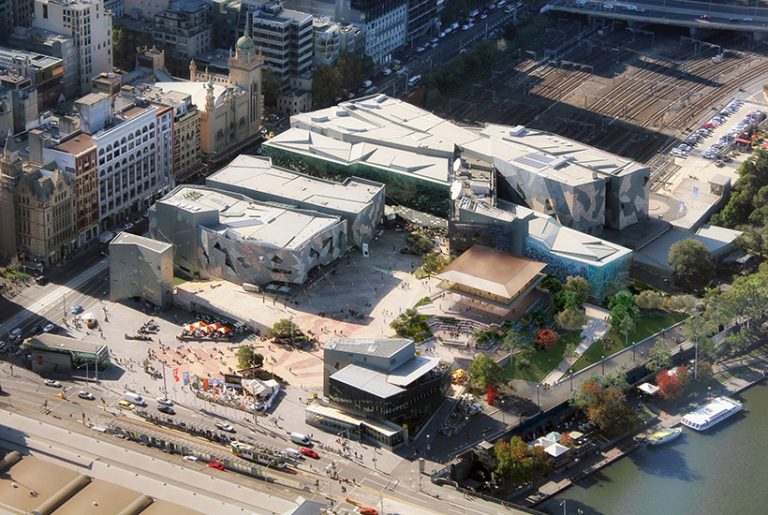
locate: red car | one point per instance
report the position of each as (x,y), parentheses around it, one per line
(306,451)
(215,465)
(368,511)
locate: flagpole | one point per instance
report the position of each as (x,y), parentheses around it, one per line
(165,385)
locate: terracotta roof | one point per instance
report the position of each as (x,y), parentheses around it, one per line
(490,270)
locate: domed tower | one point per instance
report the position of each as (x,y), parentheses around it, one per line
(245,72)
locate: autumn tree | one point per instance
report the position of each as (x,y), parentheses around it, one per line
(605,406)
(672,382)
(518,462)
(683,303)
(546,339)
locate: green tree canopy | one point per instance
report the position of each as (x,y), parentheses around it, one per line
(285,331)
(484,371)
(350,69)
(571,318)
(271,87)
(327,85)
(624,313)
(683,303)
(248,358)
(660,356)
(691,264)
(649,300)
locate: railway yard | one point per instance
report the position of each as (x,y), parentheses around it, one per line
(629,91)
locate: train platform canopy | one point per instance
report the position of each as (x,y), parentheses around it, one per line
(63,344)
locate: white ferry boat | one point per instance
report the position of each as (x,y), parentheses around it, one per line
(712,413)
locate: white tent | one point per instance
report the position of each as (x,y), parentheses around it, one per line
(556,450)
(648,388)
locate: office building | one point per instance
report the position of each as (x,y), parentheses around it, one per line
(45,214)
(184,30)
(55,45)
(358,201)
(140,267)
(45,73)
(382,379)
(11,168)
(75,154)
(23,99)
(135,154)
(89,24)
(144,9)
(422,17)
(232,237)
(284,39)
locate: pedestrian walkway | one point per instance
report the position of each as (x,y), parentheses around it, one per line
(597,326)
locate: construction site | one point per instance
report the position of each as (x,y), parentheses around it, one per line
(631,91)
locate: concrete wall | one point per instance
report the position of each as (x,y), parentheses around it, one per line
(138,271)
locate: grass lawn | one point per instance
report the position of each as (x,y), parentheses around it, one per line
(178,280)
(542,362)
(646,326)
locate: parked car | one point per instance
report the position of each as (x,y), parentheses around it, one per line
(166,409)
(48,328)
(306,451)
(3,347)
(225,427)
(165,400)
(85,395)
(16,334)
(76,309)
(52,383)
(215,465)
(189,457)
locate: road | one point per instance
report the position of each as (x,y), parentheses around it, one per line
(696,15)
(447,48)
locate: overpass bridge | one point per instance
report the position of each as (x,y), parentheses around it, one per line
(699,17)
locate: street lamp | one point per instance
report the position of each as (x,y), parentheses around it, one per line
(603,362)
(571,372)
(503,418)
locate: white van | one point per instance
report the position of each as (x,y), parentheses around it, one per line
(414,80)
(301,439)
(134,398)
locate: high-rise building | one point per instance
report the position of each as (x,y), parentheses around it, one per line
(90,24)
(284,39)
(184,30)
(10,171)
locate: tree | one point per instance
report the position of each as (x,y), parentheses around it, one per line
(433,262)
(484,371)
(285,331)
(570,349)
(659,356)
(571,318)
(350,70)
(518,462)
(624,313)
(691,264)
(670,383)
(248,358)
(605,406)
(326,86)
(546,339)
(271,87)
(649,300)
(579,286)
(410,324)
(419,243)
(684,303)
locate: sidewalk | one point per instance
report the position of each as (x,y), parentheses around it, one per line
(597,326)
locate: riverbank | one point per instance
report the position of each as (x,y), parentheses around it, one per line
(732,378)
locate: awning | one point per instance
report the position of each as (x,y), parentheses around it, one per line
(648,388)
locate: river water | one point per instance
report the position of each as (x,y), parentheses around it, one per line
(723,471)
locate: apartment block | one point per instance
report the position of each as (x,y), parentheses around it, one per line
(284,39)
(55,45)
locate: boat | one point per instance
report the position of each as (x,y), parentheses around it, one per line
(711,413)
(664,436)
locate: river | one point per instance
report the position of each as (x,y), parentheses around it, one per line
(719,472)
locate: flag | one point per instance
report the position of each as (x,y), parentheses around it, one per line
(185,376)
(205,384)
(176,374)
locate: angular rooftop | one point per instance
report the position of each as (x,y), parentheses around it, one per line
(248,219)
(126,238)
(381,347)
(257,174)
